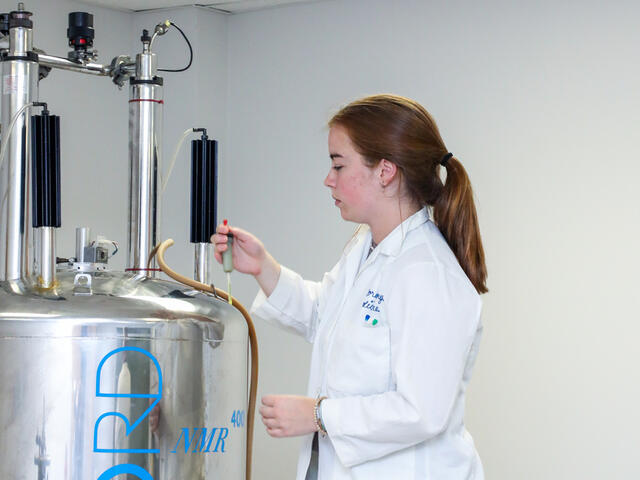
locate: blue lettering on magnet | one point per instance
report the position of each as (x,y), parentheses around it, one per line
(126,468)
(128,425)
(201,443)
(237,418)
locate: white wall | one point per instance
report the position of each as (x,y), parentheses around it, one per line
(539,100)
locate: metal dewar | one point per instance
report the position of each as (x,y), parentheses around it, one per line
(51,345)
(108,374)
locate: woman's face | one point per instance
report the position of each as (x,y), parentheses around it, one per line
(354,186)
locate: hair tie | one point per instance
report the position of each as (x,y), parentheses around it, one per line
(445,159)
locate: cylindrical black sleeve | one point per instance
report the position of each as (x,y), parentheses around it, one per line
(45,142)
(204,187)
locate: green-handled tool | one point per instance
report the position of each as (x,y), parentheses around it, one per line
(227,263)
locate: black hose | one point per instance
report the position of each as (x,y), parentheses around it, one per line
(190,53)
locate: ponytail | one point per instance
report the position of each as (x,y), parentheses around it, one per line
(402,131)
(455,214)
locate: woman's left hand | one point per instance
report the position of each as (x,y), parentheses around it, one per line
(288,415)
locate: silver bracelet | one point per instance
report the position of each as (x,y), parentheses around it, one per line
(316,416)
(320,416)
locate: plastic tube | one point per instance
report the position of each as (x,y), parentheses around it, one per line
(253,340)
(3,149)
(175,156)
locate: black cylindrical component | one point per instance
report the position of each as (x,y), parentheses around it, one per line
(204,189)
(45,176)
(80,32)
(4,23)
(20,18)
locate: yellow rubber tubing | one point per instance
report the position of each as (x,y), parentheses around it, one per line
(253,340)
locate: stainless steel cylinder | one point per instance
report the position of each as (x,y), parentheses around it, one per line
(145,139)
(202,267)
(20,41)
(83,237)
(45,256)
(19,87)
(110,375)
(146,66)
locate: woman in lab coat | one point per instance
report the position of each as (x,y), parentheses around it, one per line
(395,325)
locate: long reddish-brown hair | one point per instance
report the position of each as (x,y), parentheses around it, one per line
(402,131)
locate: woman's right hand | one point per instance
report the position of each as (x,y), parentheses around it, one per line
(248,252)
(249,256)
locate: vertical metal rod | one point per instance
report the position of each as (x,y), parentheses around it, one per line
(20,41)
(145,139)
(45,258)
(83,237)
(19,87)
(202,264)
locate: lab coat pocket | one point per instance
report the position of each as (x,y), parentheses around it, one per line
(360,359)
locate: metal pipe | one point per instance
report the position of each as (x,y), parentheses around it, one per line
(145,132)
(19,87)
(83,237)
(45,256)
(146,66)
(20,41)
(66,64)
(202,271)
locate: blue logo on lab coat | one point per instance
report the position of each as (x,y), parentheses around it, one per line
(368,318)
(372,301)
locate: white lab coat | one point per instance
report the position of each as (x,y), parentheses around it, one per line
(395,337)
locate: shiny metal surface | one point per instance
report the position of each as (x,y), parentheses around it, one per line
(160,29)
(66,64)
(20,41)
(19,87)
(83,237)
(145,131)
(146,66)
(109,375)
(80,365)
(45,256)
(202,263)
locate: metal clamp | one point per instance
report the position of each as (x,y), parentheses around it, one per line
(82,284)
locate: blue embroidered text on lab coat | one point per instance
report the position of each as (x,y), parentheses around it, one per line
(372,301)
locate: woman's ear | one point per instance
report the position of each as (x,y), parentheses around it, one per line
(388,172)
